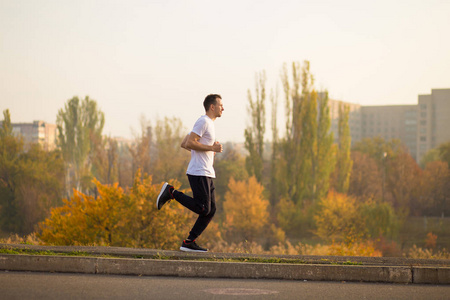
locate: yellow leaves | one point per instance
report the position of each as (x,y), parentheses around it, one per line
(118,218)
(338,218)
(245,208)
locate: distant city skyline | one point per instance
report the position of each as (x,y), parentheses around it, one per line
(161,58)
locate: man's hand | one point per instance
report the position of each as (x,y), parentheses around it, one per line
(217,147)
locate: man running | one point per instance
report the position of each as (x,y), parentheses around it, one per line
(203,146)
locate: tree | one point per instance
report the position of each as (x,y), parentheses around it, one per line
(275,159)
(105,165)
(402,181)
(245,208)
(444,152)
(169,159)
(79,126)
(30,181)
(307,146)
(126,218)
(435,196)
(141,150)
(323,157)
(343,158)
(366,177)
(10,150)
(338,219)
(254,134)
(430,156)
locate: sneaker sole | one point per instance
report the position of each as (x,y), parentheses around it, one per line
(160,193)
(191,250)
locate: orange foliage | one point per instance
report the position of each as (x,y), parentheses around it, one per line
(430,241)
(117,218)
(246,210)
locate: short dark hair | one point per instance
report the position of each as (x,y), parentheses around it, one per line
(210,99)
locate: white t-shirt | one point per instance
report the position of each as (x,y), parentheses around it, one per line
(201,163)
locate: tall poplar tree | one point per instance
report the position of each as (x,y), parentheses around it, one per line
(307,147)
(254,134)
(79,126)
(344,162)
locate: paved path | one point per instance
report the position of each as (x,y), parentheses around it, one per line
(128,261)
(25,285)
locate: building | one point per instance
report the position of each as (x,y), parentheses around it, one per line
(420,127)
(37,132)
(433,120)
(391,122)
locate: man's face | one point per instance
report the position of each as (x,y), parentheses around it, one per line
(218,108)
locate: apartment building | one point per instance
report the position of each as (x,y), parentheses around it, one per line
(420,127)
(391,122)
(37,132)
(433,120)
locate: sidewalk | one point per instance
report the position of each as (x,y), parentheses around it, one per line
(149,262)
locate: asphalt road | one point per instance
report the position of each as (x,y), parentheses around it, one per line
(27,285)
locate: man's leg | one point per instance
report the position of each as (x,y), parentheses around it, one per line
(199,204)
(210,209)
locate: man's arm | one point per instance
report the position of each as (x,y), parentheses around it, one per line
(193,142)
(184,143)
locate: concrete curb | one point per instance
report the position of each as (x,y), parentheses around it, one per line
(436,274)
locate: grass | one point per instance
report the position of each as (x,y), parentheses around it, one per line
(17,251)
(270,260)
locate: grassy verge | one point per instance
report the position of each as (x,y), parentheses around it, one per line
(271,260)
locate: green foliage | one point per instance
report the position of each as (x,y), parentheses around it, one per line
(306,151)
(30,181)
(444,153)
(380,219)
(117,218)
(254,134)
(430,156)
(79,127)
(344,162)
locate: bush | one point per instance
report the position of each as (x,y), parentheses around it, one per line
(117,218)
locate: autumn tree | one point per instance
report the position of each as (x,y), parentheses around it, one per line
(402,181)
(338,219)
(342,218)
(366,177)
(117,217)
(254,134)
(434,200)
(79,126)
(245,208)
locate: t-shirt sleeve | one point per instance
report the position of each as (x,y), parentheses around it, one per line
(200,127)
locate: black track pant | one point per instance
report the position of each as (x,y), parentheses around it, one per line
(203,203)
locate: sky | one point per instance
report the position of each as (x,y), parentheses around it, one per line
(143,59)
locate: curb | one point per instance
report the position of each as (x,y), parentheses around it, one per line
(437,274)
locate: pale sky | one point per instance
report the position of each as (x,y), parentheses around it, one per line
(161,58)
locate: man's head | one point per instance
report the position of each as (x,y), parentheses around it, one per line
(213,105)
(211,99)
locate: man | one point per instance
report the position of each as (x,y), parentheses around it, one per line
(203,146)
